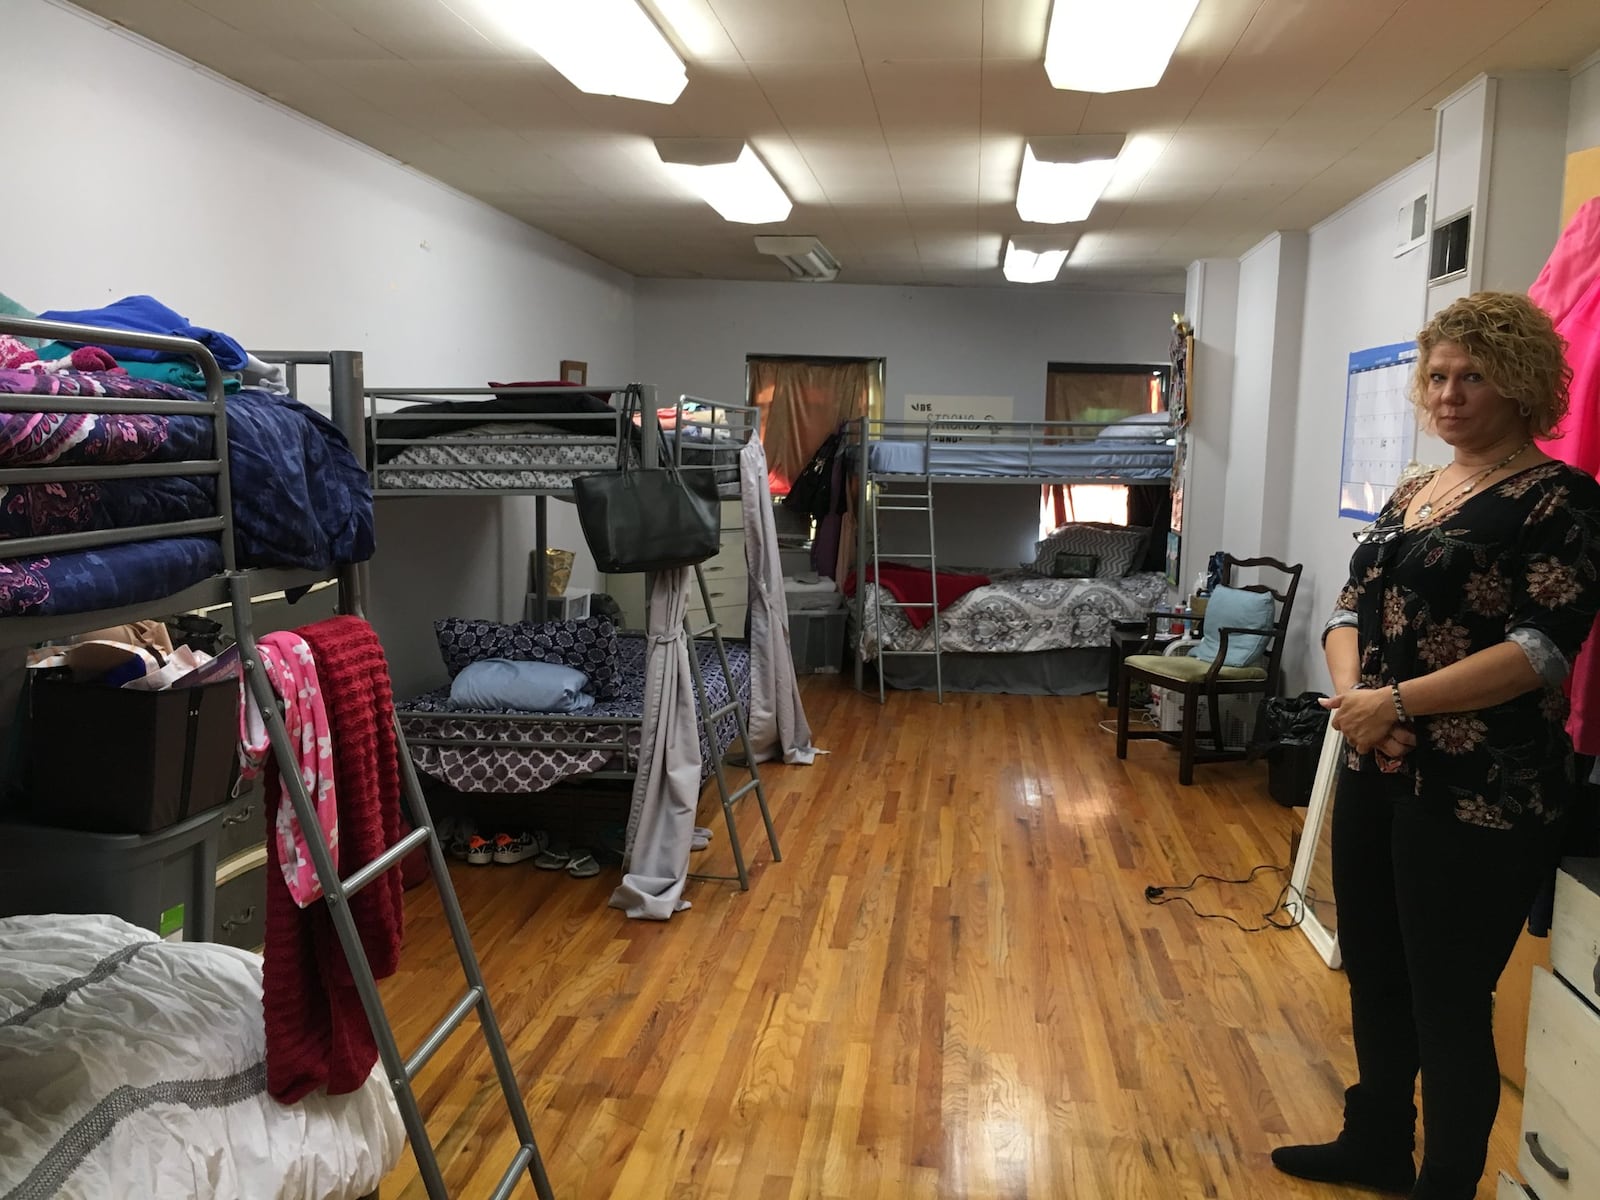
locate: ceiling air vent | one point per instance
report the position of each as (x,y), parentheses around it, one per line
(806,257)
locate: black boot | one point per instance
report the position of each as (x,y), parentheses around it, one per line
(1442,1183)
(1372,1151)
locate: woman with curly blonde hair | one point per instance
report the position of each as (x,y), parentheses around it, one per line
(1468,599)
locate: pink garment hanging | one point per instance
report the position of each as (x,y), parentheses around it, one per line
(1569,290)
(289,665)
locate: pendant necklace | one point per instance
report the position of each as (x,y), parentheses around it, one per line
(1458,494)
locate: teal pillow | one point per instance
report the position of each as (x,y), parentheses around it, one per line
(1231,608)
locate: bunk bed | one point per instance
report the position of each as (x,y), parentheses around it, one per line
(132,501)
(1021,628)
(532,441)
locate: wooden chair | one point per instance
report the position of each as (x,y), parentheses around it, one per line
(1193,678)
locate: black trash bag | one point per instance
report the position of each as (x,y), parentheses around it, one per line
(1295,720)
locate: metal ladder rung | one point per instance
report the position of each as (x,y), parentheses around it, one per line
(442,1031)
(389,858)
(730,706)
(922,508)
(513,1176)
(910,653)
(743,790)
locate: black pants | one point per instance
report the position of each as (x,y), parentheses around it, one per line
(1429,910)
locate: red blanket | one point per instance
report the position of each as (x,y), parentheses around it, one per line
(317,1031)
(915,586)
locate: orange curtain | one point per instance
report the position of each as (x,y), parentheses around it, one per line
(801,403)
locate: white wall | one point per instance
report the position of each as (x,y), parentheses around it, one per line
(1357,295)
(151,175)
(1583,113)
(1272,285)
(693,336)
(1211,303)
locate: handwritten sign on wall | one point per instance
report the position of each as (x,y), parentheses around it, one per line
(976,415)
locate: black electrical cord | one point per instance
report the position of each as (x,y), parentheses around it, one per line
(1165,895)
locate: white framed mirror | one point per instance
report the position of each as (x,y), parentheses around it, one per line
(1311,883)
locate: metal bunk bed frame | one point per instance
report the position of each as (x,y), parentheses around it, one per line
(912,491)
(236,588)
(728,793)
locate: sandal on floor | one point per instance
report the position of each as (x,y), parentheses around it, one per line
(555,858)
(583,867)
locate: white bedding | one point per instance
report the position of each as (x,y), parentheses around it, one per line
(134,1067)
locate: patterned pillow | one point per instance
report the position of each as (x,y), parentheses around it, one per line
(1119,549)
(1074,566)
(589,645)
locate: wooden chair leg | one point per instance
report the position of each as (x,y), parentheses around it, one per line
(1123,690)
(1191,713)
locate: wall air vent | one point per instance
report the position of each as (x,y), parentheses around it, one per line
(806,257)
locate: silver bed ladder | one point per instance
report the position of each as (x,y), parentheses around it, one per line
(910,494)
(709,719)
(337,890)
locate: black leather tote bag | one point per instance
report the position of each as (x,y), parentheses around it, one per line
(647,520)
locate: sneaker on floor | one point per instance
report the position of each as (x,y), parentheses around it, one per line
(480,851)
(457,839)
(515,848)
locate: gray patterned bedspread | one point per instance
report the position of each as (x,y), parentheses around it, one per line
(528,456)
(526,763)
(1019,611)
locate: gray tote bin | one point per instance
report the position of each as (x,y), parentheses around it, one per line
(164,881)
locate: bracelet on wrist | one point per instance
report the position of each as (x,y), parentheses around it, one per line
(1399,705)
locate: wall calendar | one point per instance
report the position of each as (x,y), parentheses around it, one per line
(1379,427)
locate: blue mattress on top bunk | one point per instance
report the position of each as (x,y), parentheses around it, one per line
(1111,459)
(527,763)
(300,498)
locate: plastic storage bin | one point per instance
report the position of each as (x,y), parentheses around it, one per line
(114,760)
(163,881)
(816,640)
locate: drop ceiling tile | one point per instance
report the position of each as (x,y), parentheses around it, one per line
(693,26)
(303,30)
(927,97)
(900,30)
(1015,29)
(818,98)
(813,31)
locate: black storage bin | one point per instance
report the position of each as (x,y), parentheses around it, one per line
(1291,773)
(116,760)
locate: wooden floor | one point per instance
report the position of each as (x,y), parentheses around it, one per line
(951,986)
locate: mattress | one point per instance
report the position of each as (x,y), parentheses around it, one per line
(1018,611)
(1116,459)
(526,762)
(528,456)
(131,1066)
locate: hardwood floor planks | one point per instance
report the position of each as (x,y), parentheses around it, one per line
(951,986)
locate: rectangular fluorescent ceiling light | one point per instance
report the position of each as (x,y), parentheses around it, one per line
(727,174)
(1024,265)
(604,47)
(1062,178)
(1113,45)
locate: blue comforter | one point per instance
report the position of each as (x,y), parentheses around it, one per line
(300,499)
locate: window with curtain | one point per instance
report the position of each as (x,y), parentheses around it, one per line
(803,400)
(1101,393)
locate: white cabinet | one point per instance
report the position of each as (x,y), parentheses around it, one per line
(1560,1153)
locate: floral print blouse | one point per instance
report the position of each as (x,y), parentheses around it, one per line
(1520,562)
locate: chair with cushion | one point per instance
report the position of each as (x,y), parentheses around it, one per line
(1241,653)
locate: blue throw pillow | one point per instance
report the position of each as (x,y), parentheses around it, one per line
(1231,608)
(526,686)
